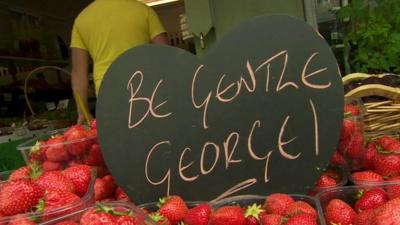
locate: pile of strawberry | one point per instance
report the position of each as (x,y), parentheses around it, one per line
(374,206)
(380,161)
(351,142)
(76,146)
(29,190)
(106,190)
(277,209)
(96,215)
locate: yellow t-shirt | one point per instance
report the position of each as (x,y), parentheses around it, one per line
(107,28)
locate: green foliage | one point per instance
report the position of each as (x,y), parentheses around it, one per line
(373,34)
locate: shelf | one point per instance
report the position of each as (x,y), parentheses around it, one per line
(34,60)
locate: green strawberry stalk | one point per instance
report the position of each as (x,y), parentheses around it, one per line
(254,211)
(103,208)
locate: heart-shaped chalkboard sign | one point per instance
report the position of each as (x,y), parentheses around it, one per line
(261,112)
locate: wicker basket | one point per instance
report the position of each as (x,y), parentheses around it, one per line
(382,115)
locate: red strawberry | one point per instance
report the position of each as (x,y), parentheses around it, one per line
(75,128)
(325,181)
(277,203)
(385,141)
(80,176)
(56,150)
(352,110)
(21,173)
(55,199)
(366,177)
(37,153)
(387,164)
(252,214)
(51,166)
(67,222)
(343,144)
(19,196)
(389,213)
(96,217)
(101,171)
(174,208)
(232,215)
(393,147)
(356,146)
(75,162)
(93,124)
(371,200)
(198,215)
(120,194)
(127,220)
(272,219)
(339,212)
(337,159)
(21,220)
(365,217)
(55,180)
(301,207)
(103,188)
(302,219)
(369,156)
(94,156)
(78,143)
(348,128)
(393,190)
(159,219)
(92,136)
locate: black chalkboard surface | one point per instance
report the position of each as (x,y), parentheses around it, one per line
(260,113)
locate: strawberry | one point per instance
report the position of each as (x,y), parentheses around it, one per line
(371,199)
(75,162)
(366,177)
(385,141)
(272,219)
(339,212)
(232,215)
(159,219)
(67,222)
(393,147)
(21,220)
(77,142)
(75,128)
(387,164)
(103,188)
(51,166)
(21,173)
(92,136)
(343,144)
(101,171)
(393,190)
(127,220)
(337,159)
(301,207)
(94,156)
(389,213)
(174,208)
(37,153)
(80,176)
(120,194)
(365,217)
(93,124)
(369,156)
(252,214)
(198,215)
(55,199)
(355,149)
(96,217)
(19,196)
(348,128)
(302,219)
(56,150)
(277,203)
(325,181)
(351,110)
(55,180)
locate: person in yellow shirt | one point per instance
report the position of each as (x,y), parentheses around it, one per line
(104,30)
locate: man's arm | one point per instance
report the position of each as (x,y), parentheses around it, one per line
(161,39)
(79,77)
